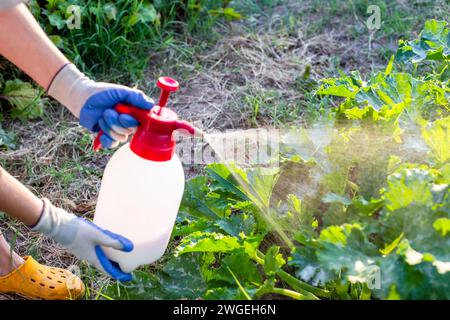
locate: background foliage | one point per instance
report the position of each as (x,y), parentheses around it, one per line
(367,215)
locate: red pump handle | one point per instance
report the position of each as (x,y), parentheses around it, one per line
(167,86)
(137,113)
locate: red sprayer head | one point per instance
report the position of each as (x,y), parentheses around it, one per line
(154,138)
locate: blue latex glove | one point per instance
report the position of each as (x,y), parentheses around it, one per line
(83,238)
(93,103)
(98,113)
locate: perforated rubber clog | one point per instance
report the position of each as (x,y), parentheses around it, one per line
(35,281)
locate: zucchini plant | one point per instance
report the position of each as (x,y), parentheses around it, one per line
(367,215)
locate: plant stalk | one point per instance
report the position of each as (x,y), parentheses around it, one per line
(289,293)
(302,287)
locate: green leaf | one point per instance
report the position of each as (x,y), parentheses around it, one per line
(361,113)
(408,186)
(273,261)
(180,278)
(334,234)
(110,11)
(365,207)
(24,98)
(228,13)
(144,286)
(147,13)
(413,203)
(240,286)
(390,65)
(346,248)
(213,270)
(308,268)
(227,181)
(386,96)
(7,139)
(437,137)
(187,227)
(243,268)
(393,245)
(55,19)
(393,294)
(442,225)
(331,197)
(338,91)
(238,224)
(132,19)
(223,293)
(57,41)
(229,293)
(433,44)
(419,281)
(195,201)
(336,181)
(207,242)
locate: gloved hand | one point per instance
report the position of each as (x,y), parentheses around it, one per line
(93,103)
(83,238)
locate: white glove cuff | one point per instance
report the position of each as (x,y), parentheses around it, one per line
(52,222)
(71,88)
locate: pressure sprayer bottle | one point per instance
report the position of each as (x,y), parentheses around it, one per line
(143,183)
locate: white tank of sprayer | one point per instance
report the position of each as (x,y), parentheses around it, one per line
(143,183)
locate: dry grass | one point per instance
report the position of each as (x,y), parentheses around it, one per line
(266,61)
(244,65)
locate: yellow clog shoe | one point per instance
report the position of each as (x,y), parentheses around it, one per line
(35,281)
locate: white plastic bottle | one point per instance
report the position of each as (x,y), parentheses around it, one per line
(143,184)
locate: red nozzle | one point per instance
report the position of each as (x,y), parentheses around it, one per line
(154,138)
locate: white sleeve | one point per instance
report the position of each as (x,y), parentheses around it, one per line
(8,4)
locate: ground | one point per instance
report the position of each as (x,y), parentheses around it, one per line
(260,71)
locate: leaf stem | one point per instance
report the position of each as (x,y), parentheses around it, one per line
(366,293)
(247,296)
(289,293)
(303,287)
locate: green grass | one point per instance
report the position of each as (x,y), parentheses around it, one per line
(397,20)
(270,108)
(116,39)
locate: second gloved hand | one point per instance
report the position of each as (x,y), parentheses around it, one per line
(93,103)
(83,238)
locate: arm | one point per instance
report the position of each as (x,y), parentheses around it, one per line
(21,35)
(18,201)
(81,237)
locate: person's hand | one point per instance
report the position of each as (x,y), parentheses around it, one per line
(93,103)
(83,238)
